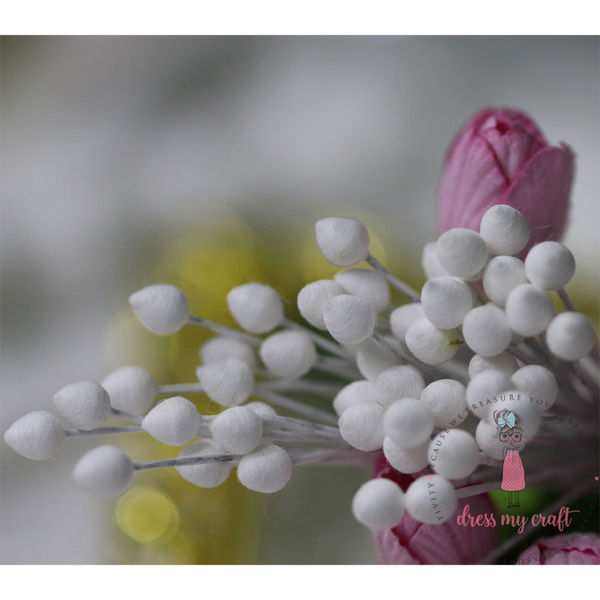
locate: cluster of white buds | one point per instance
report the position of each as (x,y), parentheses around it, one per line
(420,382)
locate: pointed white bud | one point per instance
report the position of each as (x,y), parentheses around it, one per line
(501,275)
(313,297)
(487,438)
(446,301)
(550,265)
(361,426)
(462,252)
(266,470)
(430,261)
(430,499)
(486,330)
(238,429)
(349,319)
(504,362)
(372,359)
(84,404)
(256,307)
(453,453)
(431,345)
(343,241)
(228,382)
(36,435)
(504,229)
(221,347)
(446,400)
(205,475)
(378,504)
(264,411)
(288,354)
(405,460)
(163,308)
(395,383)
(131,389)
(483,388)
(367,284)
(354,393)
(105,471)
(174,421)
(539,383)
(570,336)
(408,423)
(403,317)
(529,309)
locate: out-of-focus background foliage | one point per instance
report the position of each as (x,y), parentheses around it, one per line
(204,162)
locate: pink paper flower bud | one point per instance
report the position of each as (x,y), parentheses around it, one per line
(501,157)
(414,543)
(566,549)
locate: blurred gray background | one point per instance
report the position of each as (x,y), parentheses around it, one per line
(108,140)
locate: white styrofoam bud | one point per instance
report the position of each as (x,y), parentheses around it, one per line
(453,453)
(403,317)
(405,460)
(378,504)
(486,330)
(313,297)
(431,345)
(221,347)
(349,319)
(261,409)
(131,389)
(504,362)
(367,284)
(343,241)
(162,308)
(432,267)
(84,404)
(504,229)
(487,439)
(256,307)
(446,400)
(289,354)
(462,252)
(550,265)
(372,359)
(354,393)
(36,435)
(106,471)
(205,475)
(266,469)
(228,382)
(395,383)
(238,429)
(430,499)
(539,382)
(501,275)
(570,336)
(521,404)
(174,421)
(483,388)
(529,309)
(361,426)
(446,301)
(408,423)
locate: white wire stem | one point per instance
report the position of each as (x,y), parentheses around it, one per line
(186,461)
(335,366)
(394,281)
(180,388)
(224,330)
(125,415)
(562,293)
(320,340)
(300,385)
(298,407)
(328,456)
(103,431)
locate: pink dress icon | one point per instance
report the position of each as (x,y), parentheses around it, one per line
(513,475)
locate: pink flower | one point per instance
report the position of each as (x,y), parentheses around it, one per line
(501,157)
(414,543)
(566,549)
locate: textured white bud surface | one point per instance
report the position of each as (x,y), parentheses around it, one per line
(431,345)
(446,301)
(343,241)
(349,319)
(432,267)
(504,362)
(403,317)
(399,382)
(206,475)
(84,404)
(221,347)
(570,336)
(550,265)
(529,309)
(486,330)
(288,354)
(361,426)
(408,423)
(162,308)
(266,470)
(500,276)
(256,307)
(372,359)
(367,284)
(539,383)
(504,229)
(354,393)
(174,421)
(483,387)
(453,454)
(228,382)
(313,297)
(462,252)
(446,400)
(378,504)
(405,460)
(430,499)
(36,435)
(131,389)
(106,471)
(238,429)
